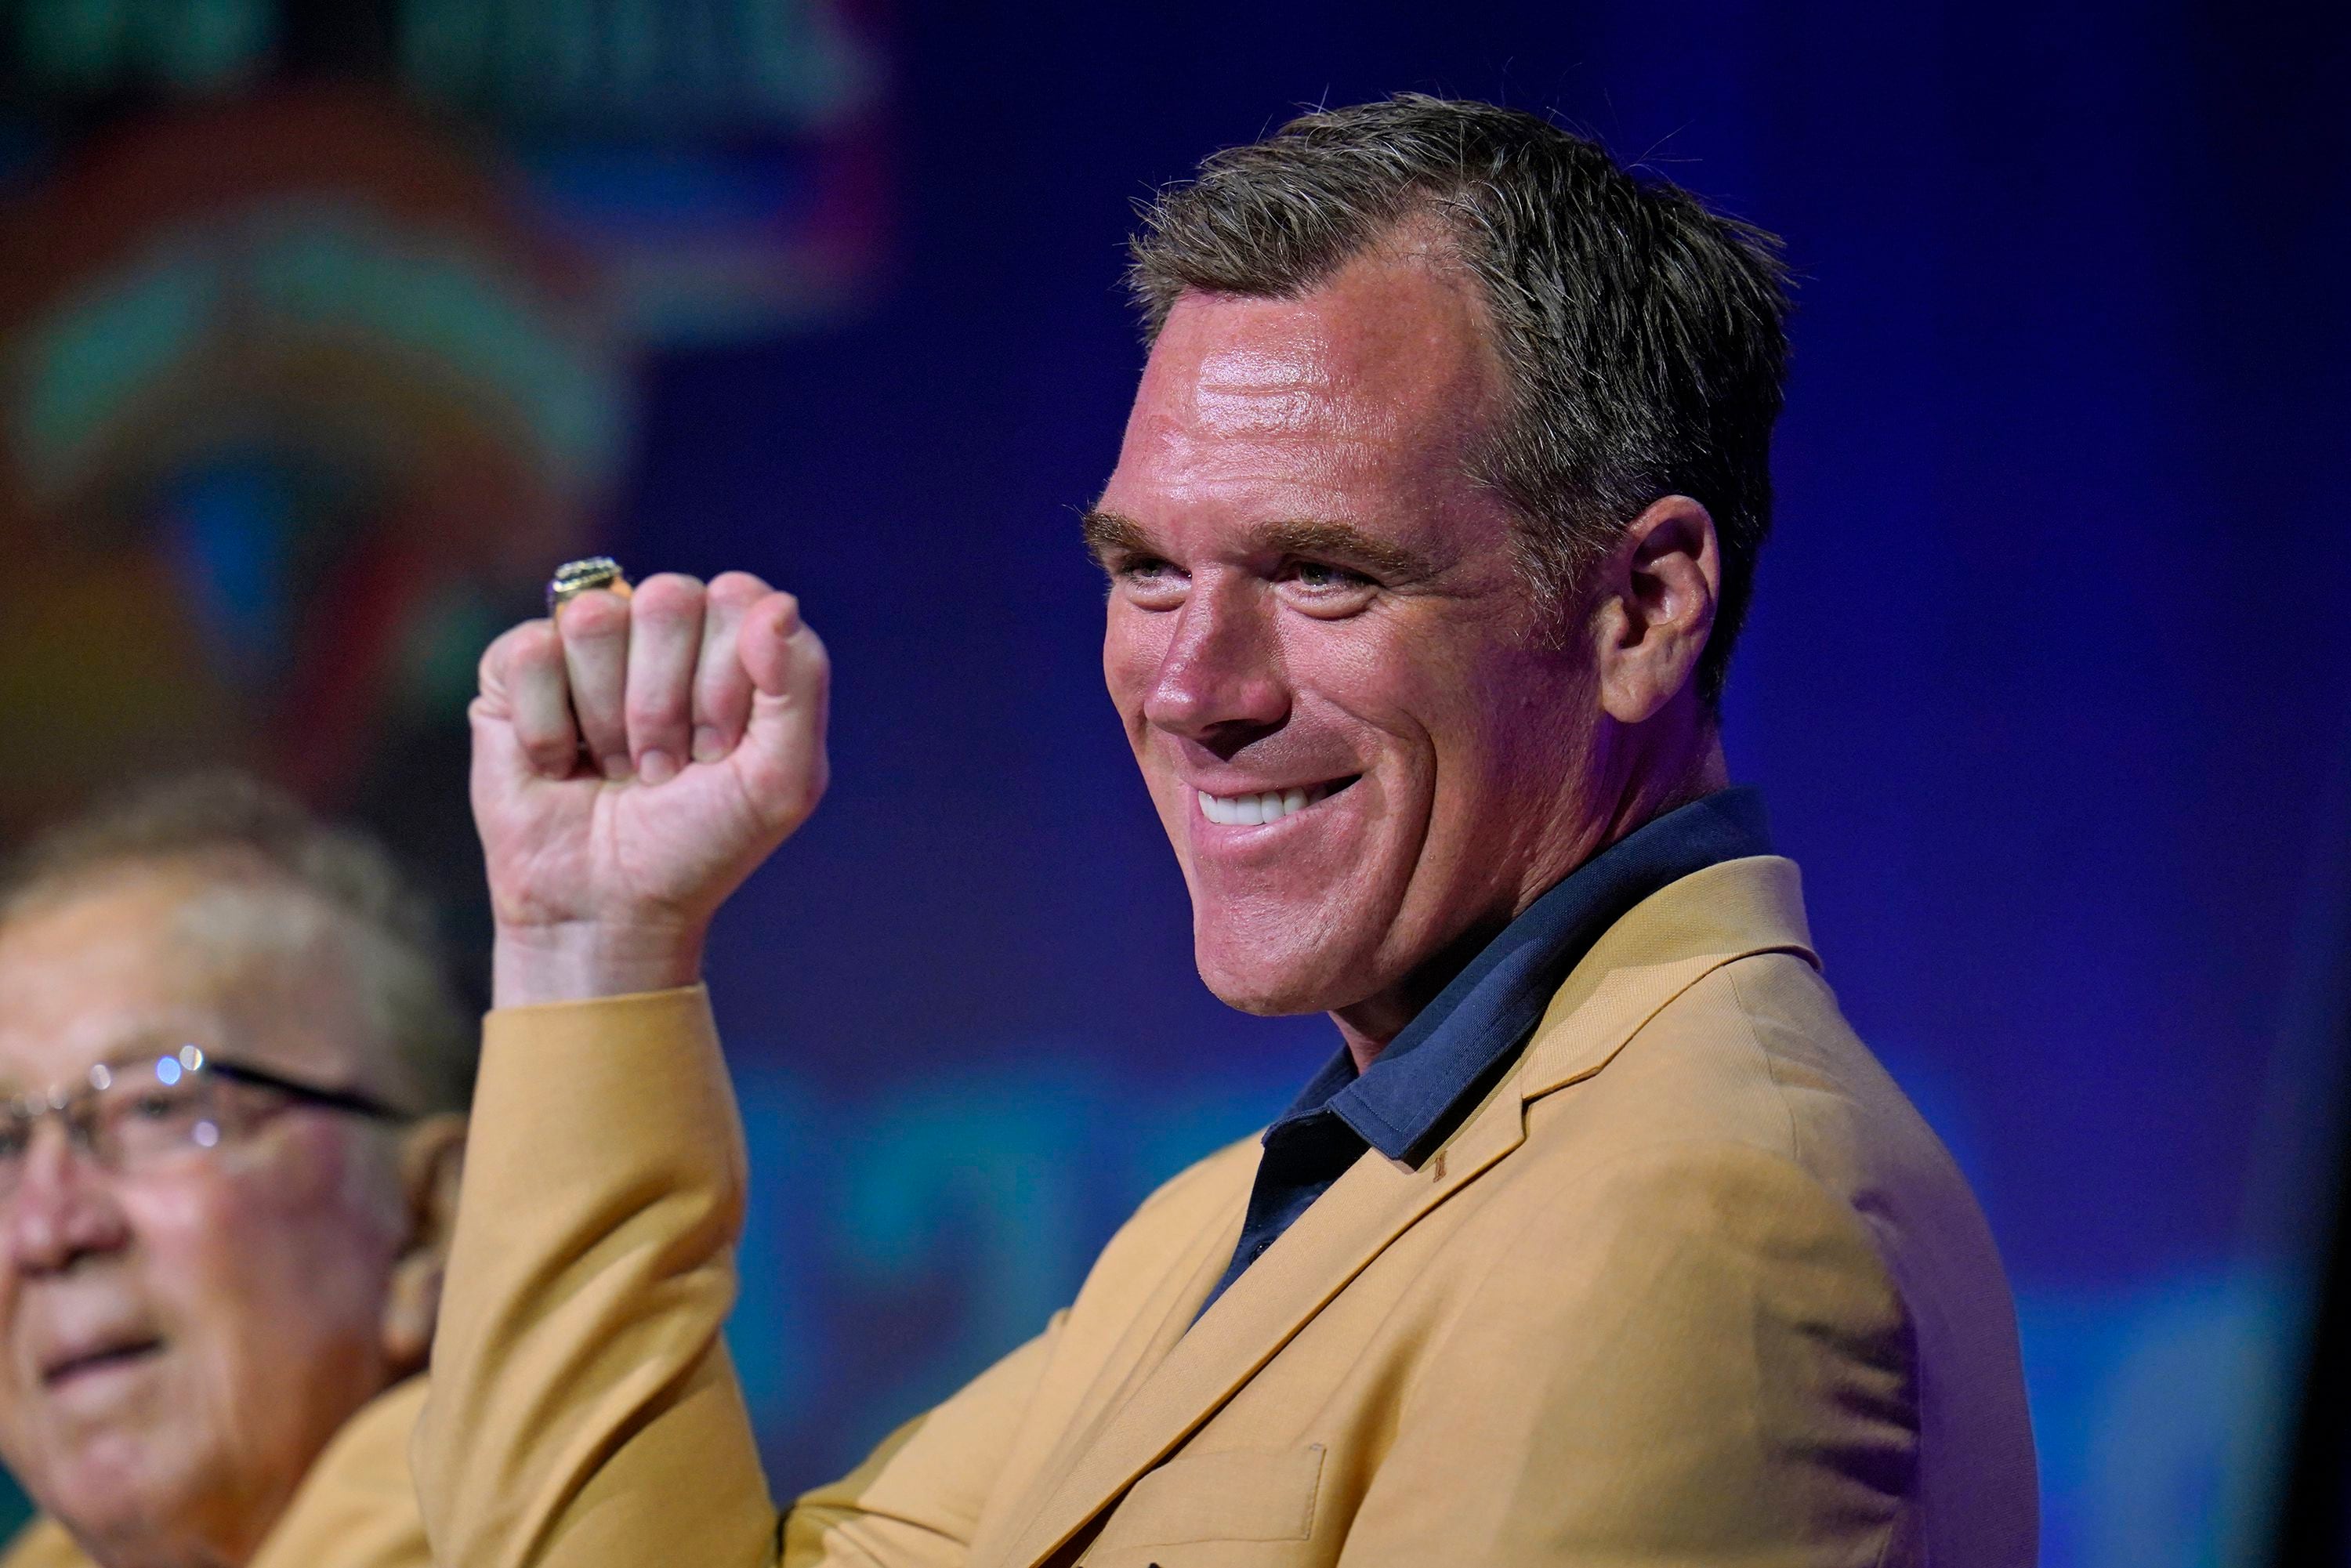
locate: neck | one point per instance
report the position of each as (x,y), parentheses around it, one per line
(1630,785)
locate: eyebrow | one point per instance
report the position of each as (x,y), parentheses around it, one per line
(1109,535)
(1316,537)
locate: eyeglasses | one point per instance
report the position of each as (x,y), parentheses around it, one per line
(135,1115)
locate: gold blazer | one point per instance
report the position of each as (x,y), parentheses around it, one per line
(1694,1285)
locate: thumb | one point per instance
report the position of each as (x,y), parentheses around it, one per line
(773,635)
(782,753)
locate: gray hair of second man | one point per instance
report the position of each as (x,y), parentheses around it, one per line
(1643,336)
(254,833)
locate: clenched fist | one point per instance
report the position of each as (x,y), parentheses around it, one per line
(630,768)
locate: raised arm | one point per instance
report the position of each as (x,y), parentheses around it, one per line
(628,774)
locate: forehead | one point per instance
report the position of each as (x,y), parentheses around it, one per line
(154,956)
(1378,381)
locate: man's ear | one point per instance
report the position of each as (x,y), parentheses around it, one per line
(1654,607)
(432,1162)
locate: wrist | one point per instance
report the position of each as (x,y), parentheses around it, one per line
(583,960)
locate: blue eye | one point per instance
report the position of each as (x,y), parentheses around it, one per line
(1149,583)
(1321,575)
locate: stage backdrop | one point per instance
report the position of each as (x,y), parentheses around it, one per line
(2044,682)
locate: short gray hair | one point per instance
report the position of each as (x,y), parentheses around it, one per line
(248,827)
(1643,336)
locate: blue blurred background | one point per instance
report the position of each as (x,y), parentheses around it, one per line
(327,327)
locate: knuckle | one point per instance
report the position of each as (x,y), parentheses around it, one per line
(536,725)
(723,697)
(596,617)
(737,589)
(510,647)
(661,705)
(668,593)
(599,707)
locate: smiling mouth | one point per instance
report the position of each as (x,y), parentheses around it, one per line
(99,1359)
(1268,805)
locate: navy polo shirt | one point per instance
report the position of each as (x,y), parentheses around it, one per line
(1440,1067)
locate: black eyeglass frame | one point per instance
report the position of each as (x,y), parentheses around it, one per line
(351,1100)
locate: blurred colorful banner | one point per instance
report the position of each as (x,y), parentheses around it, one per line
(316,323)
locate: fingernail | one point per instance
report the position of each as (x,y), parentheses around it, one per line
(616,767)
(709,745)
(656,767)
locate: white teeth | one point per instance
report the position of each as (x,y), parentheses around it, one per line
(1254,810)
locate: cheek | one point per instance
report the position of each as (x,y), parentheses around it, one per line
(257,1246)
(1512,753)
(198,1230)
(1471,726)
(1391,686)
(1134,645)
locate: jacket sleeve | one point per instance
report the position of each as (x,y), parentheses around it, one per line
(1697,1357)
(582,1411)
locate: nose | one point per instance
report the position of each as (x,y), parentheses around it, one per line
(61,1211)
(1219,681)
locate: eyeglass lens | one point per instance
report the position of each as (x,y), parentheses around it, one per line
(128,1117)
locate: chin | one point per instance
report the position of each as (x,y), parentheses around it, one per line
(1252,995)
(116,1498)
(1270,983)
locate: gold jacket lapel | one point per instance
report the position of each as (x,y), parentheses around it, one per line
(1142,1348)
(1671,941)
(1648,958)
(1377,1201)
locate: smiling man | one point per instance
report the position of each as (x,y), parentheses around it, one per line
(233,1075)
(1600,1240)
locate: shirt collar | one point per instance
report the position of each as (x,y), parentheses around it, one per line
(1431,1074)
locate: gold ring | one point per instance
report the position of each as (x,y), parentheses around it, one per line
(574,578)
